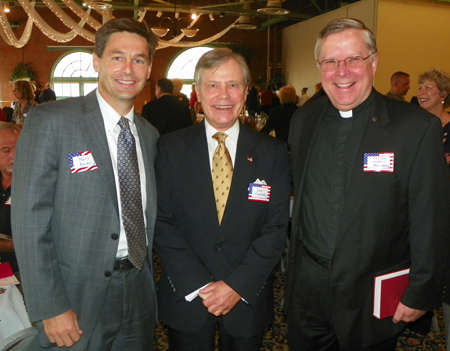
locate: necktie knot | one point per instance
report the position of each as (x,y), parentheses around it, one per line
(123,123)
(220,137)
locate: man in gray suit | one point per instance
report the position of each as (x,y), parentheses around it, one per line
(87,283)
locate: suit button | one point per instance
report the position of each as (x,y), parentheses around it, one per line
(108,274)
(218,248)
(114,236)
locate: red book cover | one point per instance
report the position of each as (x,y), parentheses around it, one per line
(5,270)
(388,291)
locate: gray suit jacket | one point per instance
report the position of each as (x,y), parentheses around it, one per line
(65,224)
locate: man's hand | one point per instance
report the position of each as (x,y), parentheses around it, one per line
(406,314)
(63,330)
(219,298)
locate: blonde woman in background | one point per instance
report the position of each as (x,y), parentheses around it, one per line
(434,96)
(23,92)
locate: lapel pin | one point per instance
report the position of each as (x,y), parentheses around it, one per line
(250,159)
(374,119)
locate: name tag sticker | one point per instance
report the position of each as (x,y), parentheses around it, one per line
(379,162)
(259,191)
(82,162)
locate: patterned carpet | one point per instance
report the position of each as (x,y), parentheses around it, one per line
(275,338)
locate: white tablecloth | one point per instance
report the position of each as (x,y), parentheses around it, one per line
(13,316)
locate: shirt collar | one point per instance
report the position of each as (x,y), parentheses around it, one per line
(233,132)
(110,116)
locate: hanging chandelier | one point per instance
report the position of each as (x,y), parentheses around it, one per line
(77,28)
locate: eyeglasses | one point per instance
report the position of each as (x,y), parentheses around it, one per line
(329,65)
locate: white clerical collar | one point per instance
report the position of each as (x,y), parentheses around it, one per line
(346,114)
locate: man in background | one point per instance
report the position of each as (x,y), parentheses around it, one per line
(223,208)
(177,94)
(9,133)
(85,205)
(371,197)
(399,86)
(165,114)
(48,94)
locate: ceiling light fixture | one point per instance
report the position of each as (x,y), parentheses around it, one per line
(273,8)
(159,14)
(162,31)
(244,23)
(211,17)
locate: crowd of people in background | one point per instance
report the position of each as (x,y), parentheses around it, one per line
(353,217)
(26,95)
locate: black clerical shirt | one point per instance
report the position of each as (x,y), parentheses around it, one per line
(332,158)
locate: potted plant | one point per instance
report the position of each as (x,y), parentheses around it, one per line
(22,71)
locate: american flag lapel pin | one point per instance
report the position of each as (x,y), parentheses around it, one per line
(249,159)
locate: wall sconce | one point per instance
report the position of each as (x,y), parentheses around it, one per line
(162,31)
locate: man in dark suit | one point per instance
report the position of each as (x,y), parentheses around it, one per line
(371,195)
(229,240)
(85,205)
(165,113)
(48,94)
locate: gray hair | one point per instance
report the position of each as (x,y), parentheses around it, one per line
(216,58)
(342,24)
(10,127)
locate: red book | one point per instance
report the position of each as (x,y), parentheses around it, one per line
(388,291)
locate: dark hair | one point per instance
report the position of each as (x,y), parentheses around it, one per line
(216,58)
(397,75)
(124,25)
(166,85)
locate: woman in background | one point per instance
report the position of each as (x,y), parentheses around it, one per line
(280,117)
(434,96)
(24,94)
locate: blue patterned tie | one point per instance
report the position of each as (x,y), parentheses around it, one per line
(130,195)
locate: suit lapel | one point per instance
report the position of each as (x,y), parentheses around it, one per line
(303,144)
(148,150)
(92,125)
(374,140)
(200,180)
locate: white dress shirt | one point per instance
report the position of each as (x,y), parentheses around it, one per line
(110,119)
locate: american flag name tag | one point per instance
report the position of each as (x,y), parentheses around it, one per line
(82,162)
(379,162)
(259,191)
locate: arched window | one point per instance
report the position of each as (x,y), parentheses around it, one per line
(74,75)
(184,65)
